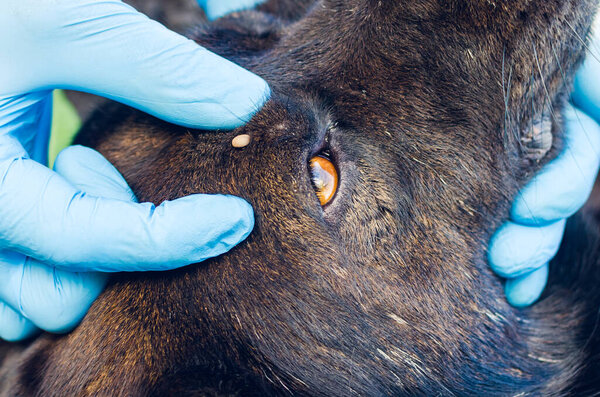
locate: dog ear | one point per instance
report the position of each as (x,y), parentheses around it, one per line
(537,70)
(508,52)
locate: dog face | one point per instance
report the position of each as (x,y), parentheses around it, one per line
(430,114)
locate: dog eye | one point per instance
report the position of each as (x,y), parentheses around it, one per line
(324,178)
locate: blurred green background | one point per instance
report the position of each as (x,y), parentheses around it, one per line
(65,124)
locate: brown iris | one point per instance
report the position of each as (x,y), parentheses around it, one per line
(324,177)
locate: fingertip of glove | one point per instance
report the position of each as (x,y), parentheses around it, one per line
(236,213)
(248,101)
(14,327)
(208,225)
(235,220)
(218,9)
(89,171)
(523,291)
(73,155)
(505,253)
(59,328)
(11,333)
(59,320)
(517,249)
(247,219)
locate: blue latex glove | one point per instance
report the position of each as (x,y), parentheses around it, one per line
(82,218)
(217,8)
(521,249)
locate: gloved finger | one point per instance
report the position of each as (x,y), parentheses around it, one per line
(564,184)
(45,217)
(54,300)
(13,326)
(516,249)
(108,48)
(524,290)
(215,9)
(586,93)
(90,172)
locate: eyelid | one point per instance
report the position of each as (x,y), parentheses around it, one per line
(322,143)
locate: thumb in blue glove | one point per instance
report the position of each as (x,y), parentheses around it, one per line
(104,47)
(521,249)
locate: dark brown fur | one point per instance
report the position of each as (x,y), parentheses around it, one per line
(386,291)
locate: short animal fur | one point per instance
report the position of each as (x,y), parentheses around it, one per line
(434,113)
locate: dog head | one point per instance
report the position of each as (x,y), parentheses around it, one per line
(430,114)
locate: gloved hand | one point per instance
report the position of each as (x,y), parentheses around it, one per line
(82,218)
(521,249)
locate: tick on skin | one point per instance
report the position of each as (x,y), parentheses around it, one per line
(241,141)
